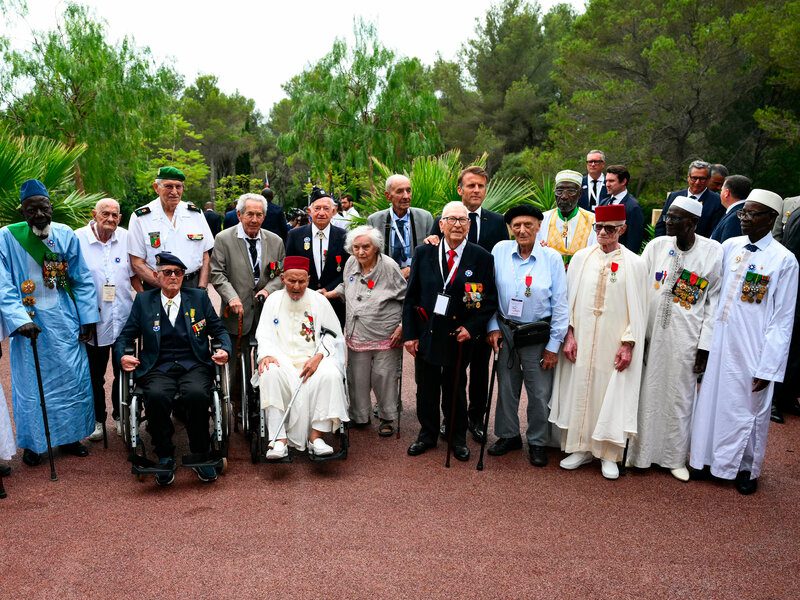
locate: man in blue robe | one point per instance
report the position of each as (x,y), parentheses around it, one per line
(41,261)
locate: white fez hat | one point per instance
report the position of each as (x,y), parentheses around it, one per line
(571,176)
(689,205)
(767,198)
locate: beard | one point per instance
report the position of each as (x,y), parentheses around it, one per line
(42,233)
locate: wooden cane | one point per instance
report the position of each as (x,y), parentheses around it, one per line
(53,476)
(451,422)
(479,466)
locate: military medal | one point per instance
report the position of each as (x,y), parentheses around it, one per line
(156,326)
(339,264)
(528,281)
(307,243)
(614,269)
(370,285)
(477,288)
(659,276)
(191,314)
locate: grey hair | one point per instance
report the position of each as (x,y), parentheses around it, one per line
(253,198)
(455,204)
(104,200)
(719,168)
(699,164)
(373,234)
(600,152)
(390,181)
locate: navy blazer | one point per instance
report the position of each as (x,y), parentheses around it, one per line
(214,222)
(492,229)
(584,201)
(436,344)
(713,211)
(729,226)
(145,317)
(634,219)
(275,222)
(231,219)
(330,277)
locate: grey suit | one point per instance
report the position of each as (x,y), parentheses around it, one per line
(789,206)
(421,223)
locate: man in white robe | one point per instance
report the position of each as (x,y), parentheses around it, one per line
(291,351)
(684,272)
(596,390)
(752,331)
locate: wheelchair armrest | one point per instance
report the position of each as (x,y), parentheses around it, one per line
(216,345)
(253,343)
(129,351)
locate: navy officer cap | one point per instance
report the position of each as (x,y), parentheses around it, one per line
(523,210)
(32,187)
(167,258)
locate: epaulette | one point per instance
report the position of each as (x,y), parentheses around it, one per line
(192,207)
(142,211)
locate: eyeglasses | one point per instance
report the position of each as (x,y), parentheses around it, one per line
(568,192)
(673,218)
(172,272)
(598,227)
(595,162)
(454,220)
(751,214)
(697,178)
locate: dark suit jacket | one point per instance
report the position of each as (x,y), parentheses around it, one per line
(214,222)
(275,222)
(634,218)
(436,345)
(146,311)
(729,226)
(420,223)
(713,211)
(330,277)
(584,201)
(492,230)
(231,219)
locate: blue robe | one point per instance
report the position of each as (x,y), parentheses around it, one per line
(64,366)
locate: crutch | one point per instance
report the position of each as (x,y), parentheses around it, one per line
(323,331)
(451,424)
(53,476)
(492,379)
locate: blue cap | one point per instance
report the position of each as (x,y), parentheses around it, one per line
(167,258)
(32,187)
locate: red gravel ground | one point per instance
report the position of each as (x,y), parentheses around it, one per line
(384,525)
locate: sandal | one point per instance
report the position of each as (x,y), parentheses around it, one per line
(386,428)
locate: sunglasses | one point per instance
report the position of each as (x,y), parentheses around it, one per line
(172,272)
(598,227)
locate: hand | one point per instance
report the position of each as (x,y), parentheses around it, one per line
(759,384)
(29,330)
(261,295)
(548,360)
(406,271)
(433,240)
(397,336)
(329,295)
(412,347)
(494,339)
(236,306)
(700,361)
(623,357)
(570,346)
(310,366)
(87,332)
(220,357)
(128,363)
(265,362)
(462,335)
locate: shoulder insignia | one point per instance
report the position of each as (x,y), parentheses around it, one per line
(192,207)
(140,212)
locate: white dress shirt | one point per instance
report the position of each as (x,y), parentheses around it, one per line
(319,257)
(174,308)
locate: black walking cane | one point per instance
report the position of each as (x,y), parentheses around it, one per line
(451,423)
(623,469)
(53,476)
(479,466)
(103,424)
(400,392)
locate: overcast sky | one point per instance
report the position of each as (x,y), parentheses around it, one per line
(256,46)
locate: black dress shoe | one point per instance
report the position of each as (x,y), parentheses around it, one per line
(703,474)
(793,408)
(504,445)
(75,449)
(418,448)
(476,429)
(745,485)
(5,470)
(776,416)
(31,458)
(461,453)
(537,455)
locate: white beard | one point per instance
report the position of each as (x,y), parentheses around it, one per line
(41,233)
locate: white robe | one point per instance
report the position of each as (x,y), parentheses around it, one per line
(592,403)
(7,446)
(729,431)
(322,397)
(674,334)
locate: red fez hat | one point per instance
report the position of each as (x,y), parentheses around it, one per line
(296,262)
(609,212)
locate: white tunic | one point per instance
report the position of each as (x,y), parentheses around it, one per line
(729,431)
(674,334)
(7,446)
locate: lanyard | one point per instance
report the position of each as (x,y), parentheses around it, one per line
(452,273)
(106,254)
(397,231)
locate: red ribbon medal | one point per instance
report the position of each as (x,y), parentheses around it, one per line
(528,282)
(614,269)
(338,263)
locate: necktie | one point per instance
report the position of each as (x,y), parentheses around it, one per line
(399,247)
(170,304)
(751,247)
(612,200)
(451,259)
(594,193)
(472,236)
(253,256)
(321,236)
(693,197)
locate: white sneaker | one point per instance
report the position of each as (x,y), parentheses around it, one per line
(279,450)
(97,434)
(681,473)
(118,425)
(575,460)
(319,448)
(609,469)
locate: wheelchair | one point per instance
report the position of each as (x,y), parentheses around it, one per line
(133,416)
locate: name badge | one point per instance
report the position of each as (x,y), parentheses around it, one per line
(109,292)
(442,302)
(515,307)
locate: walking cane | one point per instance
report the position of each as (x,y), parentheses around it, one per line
(479,466)
(451,423)
(2,489)
(623,468)
(103,424)
(400,393)
(53,476)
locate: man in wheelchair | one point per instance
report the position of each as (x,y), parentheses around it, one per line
(175,325)
(301,362)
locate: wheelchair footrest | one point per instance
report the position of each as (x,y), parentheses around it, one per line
(144,466)
(339,455)
(277,461)
(201,460)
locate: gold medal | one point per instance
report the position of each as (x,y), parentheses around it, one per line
(744,298)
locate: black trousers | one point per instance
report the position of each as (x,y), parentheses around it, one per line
(98,362)
(435,386)
(479,354)
(160,388)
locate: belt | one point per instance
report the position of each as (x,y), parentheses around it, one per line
(513,324)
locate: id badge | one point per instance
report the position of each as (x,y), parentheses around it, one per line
(515,307)
(109,292)
(442,302)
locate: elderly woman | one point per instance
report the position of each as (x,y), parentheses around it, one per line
(373,290)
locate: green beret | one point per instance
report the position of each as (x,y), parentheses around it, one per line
(171,173)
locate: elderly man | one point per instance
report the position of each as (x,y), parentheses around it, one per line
(104,246)
(347,213)
(294,351)
(323,245)
(752,331)
(176,326)
(697,179)
(450,298)
(617,179)
(567,228)
(592,184)
(596,390)
(42,262)
(685,271)
(403,226)
(735,190)
(531,322)
(168,224)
